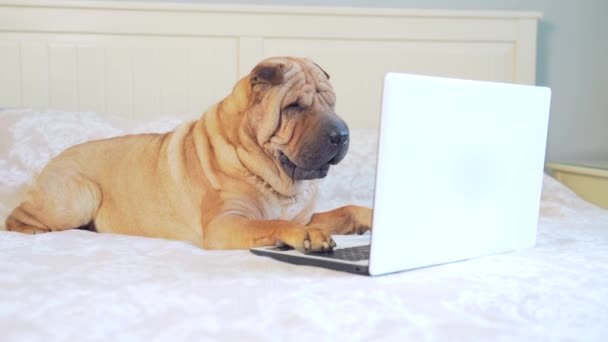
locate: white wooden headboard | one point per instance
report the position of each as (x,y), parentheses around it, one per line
(148,59)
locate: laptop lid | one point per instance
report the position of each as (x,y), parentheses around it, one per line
(459,174)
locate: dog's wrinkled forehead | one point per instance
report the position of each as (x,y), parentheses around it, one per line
(279,70)
(280,85)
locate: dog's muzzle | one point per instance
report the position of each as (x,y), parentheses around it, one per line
(328,147)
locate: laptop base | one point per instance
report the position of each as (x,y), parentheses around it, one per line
(324,263)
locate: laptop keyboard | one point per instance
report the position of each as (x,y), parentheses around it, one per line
(357,253)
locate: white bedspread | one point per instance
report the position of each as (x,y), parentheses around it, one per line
(78,285)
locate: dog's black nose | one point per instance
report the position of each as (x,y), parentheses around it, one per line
(338,136)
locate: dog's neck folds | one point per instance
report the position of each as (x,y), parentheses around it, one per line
(245,160)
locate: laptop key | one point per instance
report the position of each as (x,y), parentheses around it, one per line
(357,253)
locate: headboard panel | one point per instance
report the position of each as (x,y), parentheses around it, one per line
(149,59)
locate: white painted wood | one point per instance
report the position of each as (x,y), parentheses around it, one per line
(525,59)
(212,71)
(174,75)
(149,59)
(10,74)
(35,74)
(146,86)
(62,73)
(251,50)
(118,86)
(91,78)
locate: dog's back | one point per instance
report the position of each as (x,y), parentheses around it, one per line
(116,184)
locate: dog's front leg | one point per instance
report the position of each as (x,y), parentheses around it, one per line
(238,232)
(351,219)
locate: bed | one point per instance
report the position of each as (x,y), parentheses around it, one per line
(67,81)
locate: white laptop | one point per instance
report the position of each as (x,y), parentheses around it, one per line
(459,175)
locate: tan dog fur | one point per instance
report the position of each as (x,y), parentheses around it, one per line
(217,182)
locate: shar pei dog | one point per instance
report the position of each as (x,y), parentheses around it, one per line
(244,175)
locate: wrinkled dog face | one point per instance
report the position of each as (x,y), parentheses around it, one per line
(303,132)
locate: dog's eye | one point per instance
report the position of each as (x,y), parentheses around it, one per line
(293,106)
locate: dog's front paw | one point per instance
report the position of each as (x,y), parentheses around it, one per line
(351,219)
(308,239)
(361,219)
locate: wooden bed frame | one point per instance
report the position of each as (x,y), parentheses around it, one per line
(149,59)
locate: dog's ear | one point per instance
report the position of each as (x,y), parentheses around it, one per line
(318,66)
(267,73)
